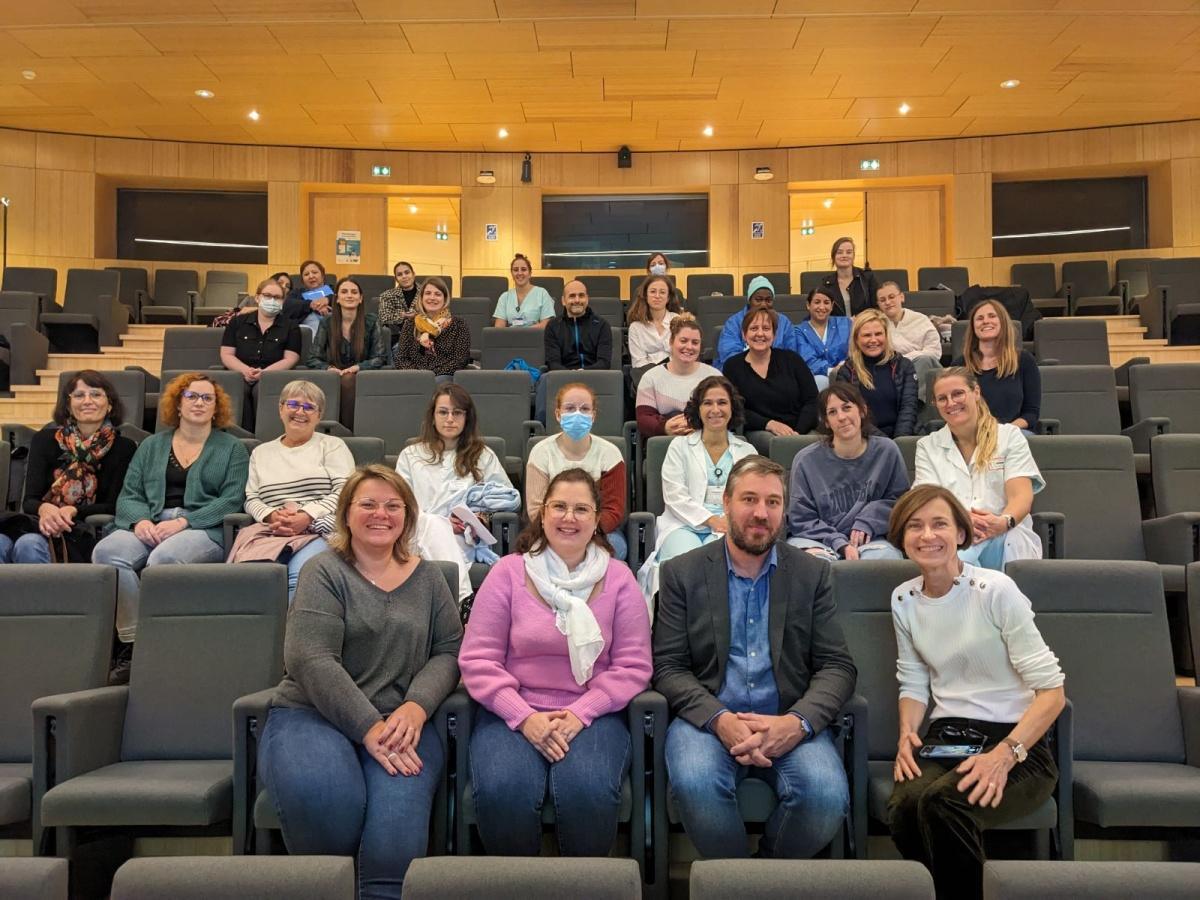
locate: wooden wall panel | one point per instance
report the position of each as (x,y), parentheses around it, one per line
(18,185)
(331,213)
(64,209)
(284,233)
(483,204)
(904,229)
(971,216)
(766,203)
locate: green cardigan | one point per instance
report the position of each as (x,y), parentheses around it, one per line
(216,483)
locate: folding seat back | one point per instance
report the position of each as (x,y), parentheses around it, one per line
(92,316)
(957,278)
(1175,468)
(1073,342)
(88,283)
(191,348)
(390,404)
(365,450)
(374,285)
(502,345)
(211,877)
(1107,623)
(268,425)
(1167,389)
(1133,277)
(611,310)
(1018,879)
(908,450)
(602,285)
(503,407)
(900,276)
(553,285)
(28,348)
(1037,278)
(709,284)
(131,388)
(36,280)
(794,306)
(760,879)
(609,387)
(21,306)
(176,294)
(784,449)
(808,281)
(477,313)
(1087,277)
(656,452)
(135,287)
(435,878)
(781,281)
(1082,398)
(207,635)
(490,286)
(931,303)
(1174,283)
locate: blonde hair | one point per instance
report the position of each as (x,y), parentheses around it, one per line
(339,540)
(1006,349)
(987,429)
(856,358)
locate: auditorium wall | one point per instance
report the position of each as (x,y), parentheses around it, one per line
(62,189)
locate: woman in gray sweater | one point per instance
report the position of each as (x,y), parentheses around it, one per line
(371,652)
(843,487)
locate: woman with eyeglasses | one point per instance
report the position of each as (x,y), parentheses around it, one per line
(266,341)
(967,643)
(348,342)
(75,469)
(573,447)
(988,466)
(293,486)
(557,645)
(370,653)
(181,484)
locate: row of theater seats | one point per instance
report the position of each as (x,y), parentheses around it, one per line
(436,878)
(80,760)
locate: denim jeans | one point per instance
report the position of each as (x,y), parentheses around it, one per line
(509,784)
(125,550)
(809,783)
(876,549)
(6,548)
(987,554)
(619,544)
(299,558)
(333,798)
(28,548)
(683,540)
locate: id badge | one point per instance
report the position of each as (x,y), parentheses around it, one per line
(714,495)
(518,321)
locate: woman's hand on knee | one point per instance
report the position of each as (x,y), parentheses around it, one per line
(145,532)
(986,775)
(906,766)
(402,729)
(382,755)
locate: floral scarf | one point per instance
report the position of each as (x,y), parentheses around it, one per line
(432,326)
(75,479)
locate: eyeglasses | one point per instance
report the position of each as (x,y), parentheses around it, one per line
(955,733)
(96,394)
(586,409)
(299,404)
(369,506)
(580,510)
(193,396)
(953,397)
(270,296)
(450,413)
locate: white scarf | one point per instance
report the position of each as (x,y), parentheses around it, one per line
(567,592)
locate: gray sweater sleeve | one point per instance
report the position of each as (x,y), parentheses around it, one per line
(434,681)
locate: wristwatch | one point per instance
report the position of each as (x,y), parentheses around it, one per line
(1020,754)
(1011,522)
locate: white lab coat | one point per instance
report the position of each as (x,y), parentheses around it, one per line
(940,462)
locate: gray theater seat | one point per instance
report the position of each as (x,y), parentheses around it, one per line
(23,878)
(503,406)
(510,878)
(92,316)
(236,878)
(769,879)
(1169,390)
(1175,468)
(502,345)
(391,404)
(1090,880)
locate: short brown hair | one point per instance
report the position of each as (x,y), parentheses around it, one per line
(93,379)
(850,393)
(908,504)
(762,312)
(168,403)
(737,412)
(756,465)
(532,538)
(339,540)
(437,283)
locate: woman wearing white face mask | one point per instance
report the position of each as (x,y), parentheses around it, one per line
(658,264)
(575,448)
(264,342)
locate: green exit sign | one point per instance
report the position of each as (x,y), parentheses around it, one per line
(381,171)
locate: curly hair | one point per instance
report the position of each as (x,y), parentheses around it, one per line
(93,379)
(168,402)
(737,412)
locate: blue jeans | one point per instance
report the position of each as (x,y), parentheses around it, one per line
(509,784)
(125,551)
(809,782)
(6,548)
(619,544)
(28,548)
(333,798)
(684,540)
(876,549)
(299,558)
(987,554)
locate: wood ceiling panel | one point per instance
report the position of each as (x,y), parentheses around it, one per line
(139,11)
(669,8)
(1017,104)
(659,88)
(513,37)
(1146,32)
(627,33)
(989,82)
(349,39)
(271,115)
(91,95)
(739,34)
(908,83)
(772,107)
(51,12)
(651,63)
(800,129)
(566,112)
(360,113)
(518,90)
(149,68)
(921,108)
(800,87)
(201,39)
(686,129)
(61,42)
(872,31)
(564,9)
(544,64)
(498,113)
(391,65)
(944,6)
(49,71)
(288,10)
(319,135)
(522,135)
(252,92)
(422,10)
(396,132)
(433,91)
(914,128)
(818,8)
(602,131)
(155,114)
(1134,86)
(1119,5)
(837,62)
(12,97)
(265,65)
(708,110)
(650,145)
(739,63)
(1017,57)
(992,30)
(208,133)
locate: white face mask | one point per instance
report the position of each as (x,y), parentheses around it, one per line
(270,307)
(658,269)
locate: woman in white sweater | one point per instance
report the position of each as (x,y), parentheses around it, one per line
(293,486)
(967,643)
(913,333)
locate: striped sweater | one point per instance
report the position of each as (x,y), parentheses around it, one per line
(310,476)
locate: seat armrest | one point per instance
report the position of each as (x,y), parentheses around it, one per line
(453,720)
(854,748)
(1121,372)
(1173,540)
(77,732)
(1062,735)
(639,534)
(505,528)
(1049,426)
(99,521)
(1050,361)
(648,718)
(232,524)
(249,718)
(1189,711)
(133,432)
(1141,432)
(1067,290)
(153,385)
(1051,527)
(238,431)
(1121,288)
(337,429)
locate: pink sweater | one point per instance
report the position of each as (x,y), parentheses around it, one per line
(514,660)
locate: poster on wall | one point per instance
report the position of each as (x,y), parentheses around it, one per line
(349,248)
(758,231)
(491,232)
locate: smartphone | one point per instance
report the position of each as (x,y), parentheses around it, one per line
(950,751)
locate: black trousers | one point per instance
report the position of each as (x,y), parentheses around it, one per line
(932,822)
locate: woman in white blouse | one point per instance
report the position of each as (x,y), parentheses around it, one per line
(987,466)
(967,643)
(649,319)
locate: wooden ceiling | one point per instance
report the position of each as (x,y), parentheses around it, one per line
(591,75)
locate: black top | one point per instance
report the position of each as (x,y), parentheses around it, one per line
(583,343)
(862,292)
(893,399)
(788,394)
(258,348)
(176,481)
(1017,397)
(45,456)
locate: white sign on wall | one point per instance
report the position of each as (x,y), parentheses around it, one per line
(758,231)
(491,232)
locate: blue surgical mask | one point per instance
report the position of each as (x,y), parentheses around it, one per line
(270,307)
(576,425)
(658,269)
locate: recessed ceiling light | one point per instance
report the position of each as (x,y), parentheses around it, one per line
(502,133)
(204,93)
(708,131)
(904,109)
(827,202)
(28,74)
(412,209)
(253,115)
(1011,83)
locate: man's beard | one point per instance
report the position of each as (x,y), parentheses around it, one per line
(745,544)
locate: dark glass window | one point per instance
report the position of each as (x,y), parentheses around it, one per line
(1079,215)
(192,226)
(619,232)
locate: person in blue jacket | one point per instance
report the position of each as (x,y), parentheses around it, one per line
(759,295)
(823,339)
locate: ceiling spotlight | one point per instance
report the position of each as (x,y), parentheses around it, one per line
(827,202)
(502,133)
(708,131)
(486,176)
(253,115)
(904,109)
(204,94)
(412,209)
(28,74)
(1011,83)
(763,173)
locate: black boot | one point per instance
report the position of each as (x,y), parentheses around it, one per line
(121,662)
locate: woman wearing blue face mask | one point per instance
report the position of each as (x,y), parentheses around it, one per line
(575,448)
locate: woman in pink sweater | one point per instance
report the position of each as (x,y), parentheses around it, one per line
(557,645)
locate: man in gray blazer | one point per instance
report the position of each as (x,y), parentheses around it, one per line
(754,667)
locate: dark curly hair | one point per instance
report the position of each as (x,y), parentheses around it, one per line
(93,379)
(737,411)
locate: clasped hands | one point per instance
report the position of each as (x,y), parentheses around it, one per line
(154,533)
(289,522)
(393,741)
(985,525)
(754,739)
(551,732)
(55,520)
